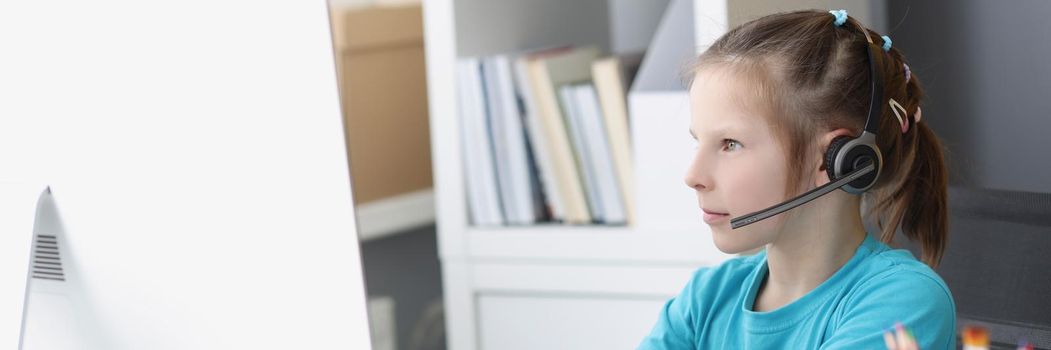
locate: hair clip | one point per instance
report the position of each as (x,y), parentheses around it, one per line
(902,115)
(841,16)
(886,43)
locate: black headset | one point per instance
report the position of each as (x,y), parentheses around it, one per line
(852,163)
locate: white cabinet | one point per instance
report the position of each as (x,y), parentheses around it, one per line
(545,286)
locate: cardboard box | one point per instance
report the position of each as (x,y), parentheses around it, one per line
(383,89)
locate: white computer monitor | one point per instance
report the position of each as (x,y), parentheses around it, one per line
(199,186)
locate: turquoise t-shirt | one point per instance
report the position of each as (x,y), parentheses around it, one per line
(876,288)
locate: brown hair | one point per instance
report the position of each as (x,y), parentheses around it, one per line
(815,75)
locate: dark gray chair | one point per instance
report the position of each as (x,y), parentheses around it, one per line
(998,263)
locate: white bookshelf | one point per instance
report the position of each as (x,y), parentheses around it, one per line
(530,287)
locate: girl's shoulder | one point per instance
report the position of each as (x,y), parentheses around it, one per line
(889,264)
(890,287)
(894,279)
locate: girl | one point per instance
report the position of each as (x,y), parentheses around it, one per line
(768,99)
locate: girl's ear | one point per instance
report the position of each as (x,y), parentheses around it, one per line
(824,142)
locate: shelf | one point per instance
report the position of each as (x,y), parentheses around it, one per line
(592,245)
(394,215)
(576,280)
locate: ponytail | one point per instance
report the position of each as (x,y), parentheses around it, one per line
(914,196)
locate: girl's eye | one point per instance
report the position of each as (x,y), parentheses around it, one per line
(731,144)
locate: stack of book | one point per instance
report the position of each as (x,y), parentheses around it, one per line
(545,137)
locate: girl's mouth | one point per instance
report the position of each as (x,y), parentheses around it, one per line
(711,217)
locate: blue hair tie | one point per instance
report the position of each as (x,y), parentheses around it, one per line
(886,43)
(841,16)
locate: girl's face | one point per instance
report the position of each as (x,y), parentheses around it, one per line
(738,166)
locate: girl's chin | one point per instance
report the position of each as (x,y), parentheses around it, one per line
(734,245)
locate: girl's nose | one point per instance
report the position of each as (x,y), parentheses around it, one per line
(693,181)
(695,177)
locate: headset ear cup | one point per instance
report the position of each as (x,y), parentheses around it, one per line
(834,148)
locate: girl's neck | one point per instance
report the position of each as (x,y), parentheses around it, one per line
(817,243)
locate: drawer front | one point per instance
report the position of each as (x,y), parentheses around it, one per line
(564,321)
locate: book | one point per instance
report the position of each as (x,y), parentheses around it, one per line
(600,155)
(546,192)
(547,133)
(610,76)
(545,74)
(582,153)
(479,170)
(508,140)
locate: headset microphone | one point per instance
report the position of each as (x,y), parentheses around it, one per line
(801,199)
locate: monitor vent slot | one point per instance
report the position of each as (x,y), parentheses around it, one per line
(47,262)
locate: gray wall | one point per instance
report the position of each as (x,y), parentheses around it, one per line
(984,67)
(632,23)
